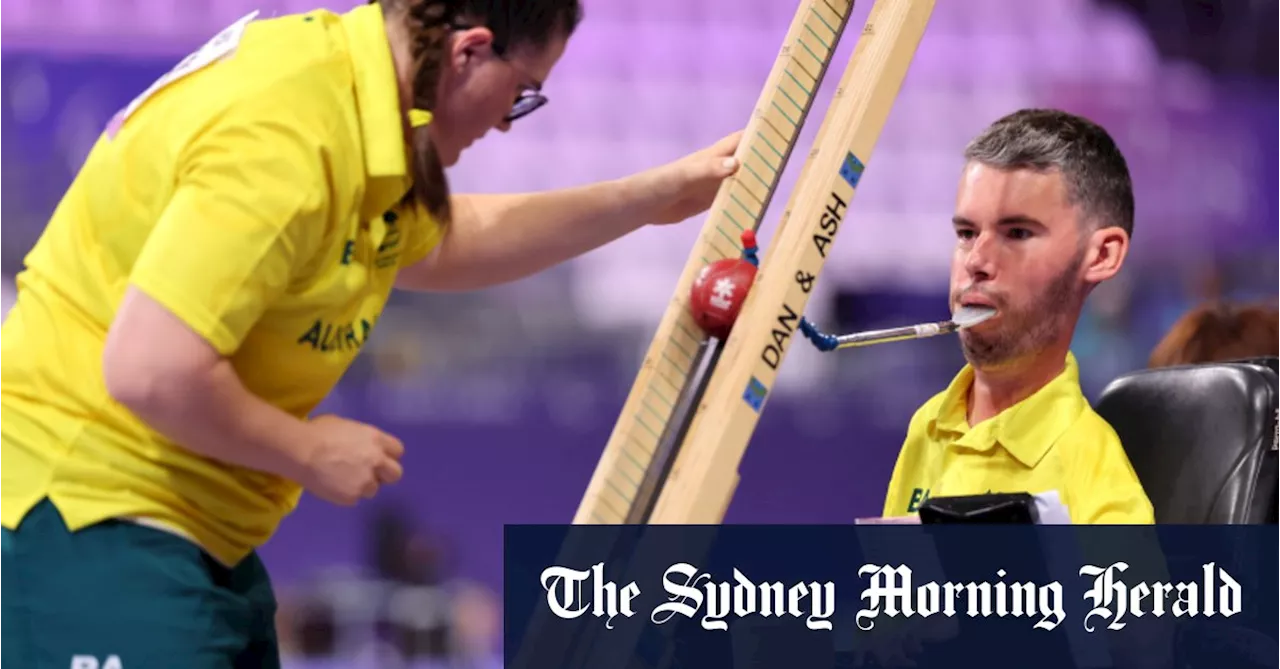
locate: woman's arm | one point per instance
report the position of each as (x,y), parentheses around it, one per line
(495,239)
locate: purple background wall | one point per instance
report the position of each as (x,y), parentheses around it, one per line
(505,397)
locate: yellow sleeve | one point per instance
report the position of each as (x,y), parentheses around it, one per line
(899,491)
(1106,491)
(892,502)
(1104,488)
(426,235)
(250,207)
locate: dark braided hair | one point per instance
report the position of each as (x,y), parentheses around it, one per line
(429,22)
(429,25)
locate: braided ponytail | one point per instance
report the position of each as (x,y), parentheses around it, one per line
(429,24)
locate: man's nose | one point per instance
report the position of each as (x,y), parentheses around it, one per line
(979,262)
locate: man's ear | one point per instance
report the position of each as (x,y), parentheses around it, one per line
(1107,249)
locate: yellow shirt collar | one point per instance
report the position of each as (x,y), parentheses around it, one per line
(1027,429)
(377,91)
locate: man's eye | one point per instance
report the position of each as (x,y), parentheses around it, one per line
(1019,233)
(964,234)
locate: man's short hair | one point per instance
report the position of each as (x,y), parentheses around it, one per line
(1092,166)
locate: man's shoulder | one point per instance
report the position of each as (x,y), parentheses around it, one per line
(926,413)
(1091,445)
(1103,485)
(1092,433)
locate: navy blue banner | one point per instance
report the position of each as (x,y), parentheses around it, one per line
(945,596)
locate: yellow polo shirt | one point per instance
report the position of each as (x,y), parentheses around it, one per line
(254,191)
(1053,440)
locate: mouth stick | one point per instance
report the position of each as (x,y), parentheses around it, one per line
(965,317)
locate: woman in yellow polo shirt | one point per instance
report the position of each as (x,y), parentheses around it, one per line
(219,261)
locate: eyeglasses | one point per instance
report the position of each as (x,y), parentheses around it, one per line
(527,102)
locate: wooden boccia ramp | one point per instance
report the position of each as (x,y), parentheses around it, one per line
(674,453)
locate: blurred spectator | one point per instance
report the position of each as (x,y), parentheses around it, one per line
(405,609)
(414,609)
(477,626)
(401,554)
(1219,331)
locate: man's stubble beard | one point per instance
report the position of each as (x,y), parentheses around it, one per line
(1026,332)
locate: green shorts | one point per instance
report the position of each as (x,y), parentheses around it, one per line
(117,595)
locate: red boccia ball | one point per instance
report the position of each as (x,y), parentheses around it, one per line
(718,293)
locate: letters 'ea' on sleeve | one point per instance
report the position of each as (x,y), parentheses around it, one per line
(249,208)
